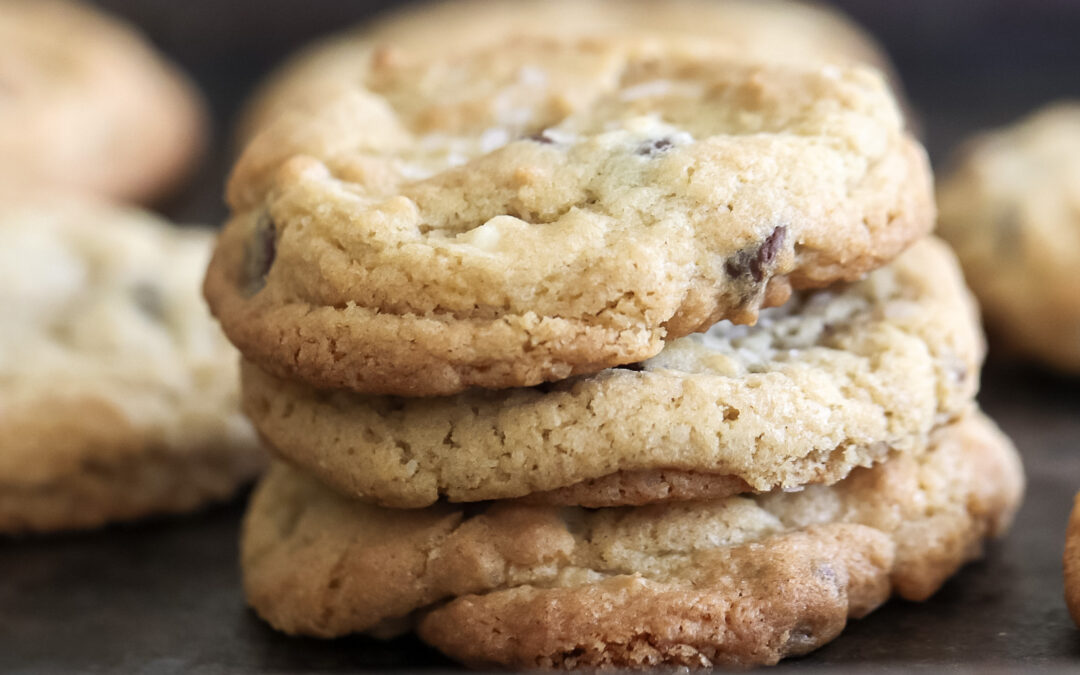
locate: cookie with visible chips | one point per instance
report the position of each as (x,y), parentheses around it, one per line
(503,217)
(737,582)
(118,393)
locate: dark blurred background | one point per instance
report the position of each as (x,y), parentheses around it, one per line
(966,64)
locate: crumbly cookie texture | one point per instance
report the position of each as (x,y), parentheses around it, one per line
(735,582)
(779,30)
(1071,562)
(832,380)
(508,216)
(86,104)
(118,393)
(1011,209)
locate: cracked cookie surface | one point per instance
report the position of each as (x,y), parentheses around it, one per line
(517,214)
(832,380)
(734,582)
(1011,209)
(86,104)
(118,393)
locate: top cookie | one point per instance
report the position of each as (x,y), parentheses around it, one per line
(1011,209)
(86,104)
(526,212)
(780,30)
(118,393)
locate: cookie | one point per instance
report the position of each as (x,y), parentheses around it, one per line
(1072,563)
(118,393)
(767,29)
(832,380)
(547,208)
(735,582)
(1010,207)
(87,104)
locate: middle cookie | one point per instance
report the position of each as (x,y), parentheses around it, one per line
(832,380)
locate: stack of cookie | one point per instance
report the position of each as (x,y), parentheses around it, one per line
(607,350)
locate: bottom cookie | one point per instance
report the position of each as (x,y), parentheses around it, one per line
(735,582)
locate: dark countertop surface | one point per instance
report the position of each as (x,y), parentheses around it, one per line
(164,596)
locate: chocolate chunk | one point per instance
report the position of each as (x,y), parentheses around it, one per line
(653,148)
(260,253)
(766,255)
(149,300)
(542,138)
(754,263)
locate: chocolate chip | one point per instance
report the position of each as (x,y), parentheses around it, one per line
(754,263)
(149,300)
(653,148)
(766,255)
(542,138)
(260,253)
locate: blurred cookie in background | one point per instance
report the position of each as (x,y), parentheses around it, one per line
(87,104)
(780,30)
(118,393)
(1010,207)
